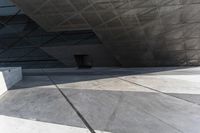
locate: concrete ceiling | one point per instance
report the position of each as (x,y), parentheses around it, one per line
(136,32)
(21,39)
(7,8)
(53,15)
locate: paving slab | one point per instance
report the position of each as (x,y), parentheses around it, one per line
(114,105)
(36,98)
(30,126)
(185,87)
(150,101)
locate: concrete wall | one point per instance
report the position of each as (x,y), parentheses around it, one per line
(9,77)
(100,57)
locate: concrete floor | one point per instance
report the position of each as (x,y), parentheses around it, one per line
(138,100)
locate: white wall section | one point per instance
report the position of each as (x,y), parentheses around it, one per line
(8,77)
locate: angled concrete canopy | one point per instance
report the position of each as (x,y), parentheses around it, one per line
(136,32)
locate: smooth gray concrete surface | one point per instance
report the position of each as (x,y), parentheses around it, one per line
(36,98)
(126,107)
(30,126)
(9,76)
(164,100)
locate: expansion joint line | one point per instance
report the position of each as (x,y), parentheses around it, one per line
(71,104)
(159,91)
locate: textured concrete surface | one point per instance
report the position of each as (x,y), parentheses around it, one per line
(138,100)
(36,98)
(29,126)
(135,32)
(8,77)
(100,57)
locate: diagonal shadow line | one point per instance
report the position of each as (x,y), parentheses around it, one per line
(158,91)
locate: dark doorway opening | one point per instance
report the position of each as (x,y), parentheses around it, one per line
(83,61)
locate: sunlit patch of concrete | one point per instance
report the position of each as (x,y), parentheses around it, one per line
(111,84)
(18,125)
(180,84)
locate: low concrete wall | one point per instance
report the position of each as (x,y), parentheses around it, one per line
(99,55)
(8,77)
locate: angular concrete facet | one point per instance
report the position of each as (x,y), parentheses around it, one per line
(9,77)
